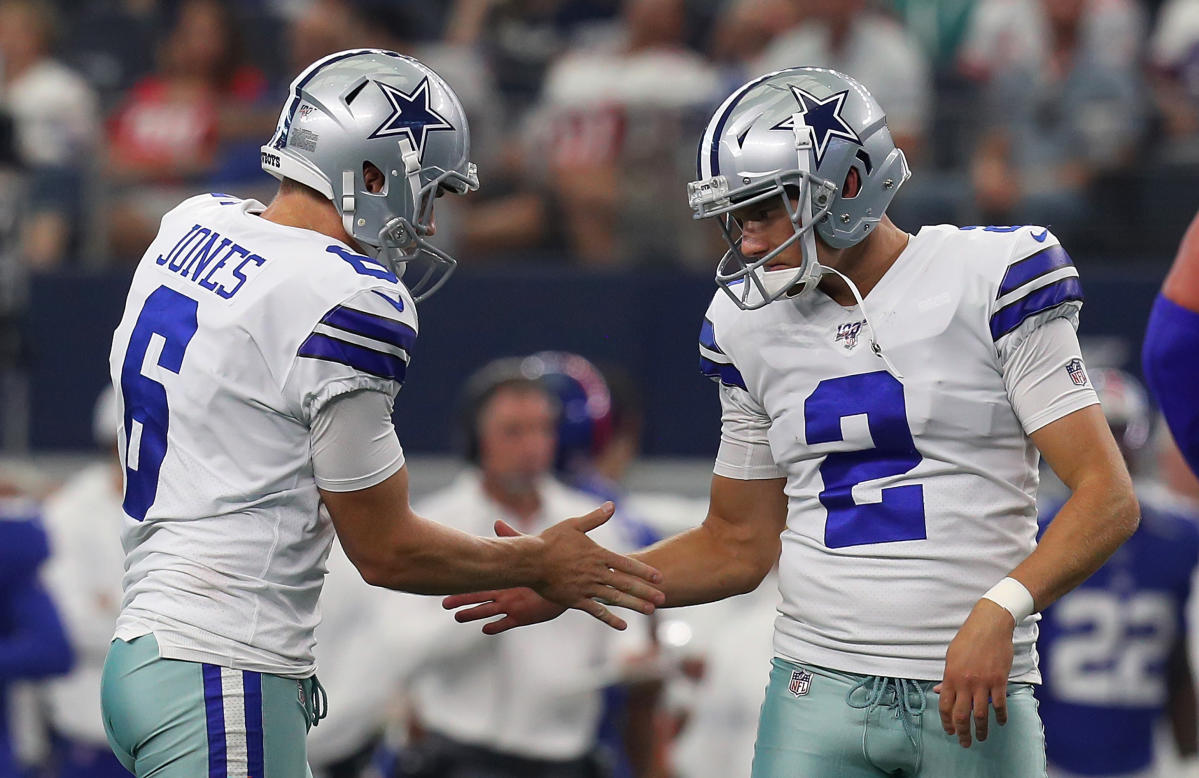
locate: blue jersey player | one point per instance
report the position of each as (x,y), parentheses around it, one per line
(1113,651)
(33,643)
(1171,342)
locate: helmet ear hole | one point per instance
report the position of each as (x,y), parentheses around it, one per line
(853,183)
(373,179)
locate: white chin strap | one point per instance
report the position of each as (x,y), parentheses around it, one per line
(349,204)
(857,296)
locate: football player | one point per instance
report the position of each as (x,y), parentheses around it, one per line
(256,365)
(885,400)
(1113,651)
(1171,342)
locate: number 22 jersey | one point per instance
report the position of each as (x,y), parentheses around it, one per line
(236,332)
(910,491)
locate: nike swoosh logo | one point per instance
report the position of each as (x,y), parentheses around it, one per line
(397,304)
(1040,238)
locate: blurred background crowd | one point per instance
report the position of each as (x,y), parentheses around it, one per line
(1081,115)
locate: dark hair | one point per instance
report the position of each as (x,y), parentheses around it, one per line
(477,393)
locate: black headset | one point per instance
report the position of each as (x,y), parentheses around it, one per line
(477,392)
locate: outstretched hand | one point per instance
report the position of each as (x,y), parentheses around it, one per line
(578,573)
(519,607)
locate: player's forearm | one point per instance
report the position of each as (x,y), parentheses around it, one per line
(425,557)
(704,565)
(1101,514)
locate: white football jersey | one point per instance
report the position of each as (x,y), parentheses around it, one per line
(908,497)
(236,332)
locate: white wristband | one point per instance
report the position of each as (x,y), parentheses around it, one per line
(1012,596)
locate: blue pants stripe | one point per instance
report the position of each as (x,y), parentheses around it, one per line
(214,706)
(252,684)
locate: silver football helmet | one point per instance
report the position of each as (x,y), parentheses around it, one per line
(370,105)
(794,134)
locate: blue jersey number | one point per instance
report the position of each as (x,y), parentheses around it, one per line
(900,514)
(363,266)
(170,318)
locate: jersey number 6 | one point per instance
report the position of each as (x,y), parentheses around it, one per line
(168,319)
(900,513)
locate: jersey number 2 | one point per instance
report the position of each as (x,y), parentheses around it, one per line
(166,324)
(900,513)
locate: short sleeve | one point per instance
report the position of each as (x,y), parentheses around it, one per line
(1038,284)
(713,362)
(354,444)
(364,342)
(1045,376)
(744,451)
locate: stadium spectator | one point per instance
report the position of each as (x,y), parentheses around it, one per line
(522,38)
(196,121)
(940,26)
(852,37)
(83,520)
(32,642)
(1114,651)
(741,32)
(606,134)
(1062,108)
(1173,63)
(524,705)
(54,113)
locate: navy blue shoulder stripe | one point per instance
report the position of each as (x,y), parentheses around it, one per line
(371,325)
(707,337)
(1032,267)
(366,360)
(725,374)
(1010,316)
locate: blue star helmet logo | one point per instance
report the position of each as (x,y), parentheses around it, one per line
(823,118)
(411,115)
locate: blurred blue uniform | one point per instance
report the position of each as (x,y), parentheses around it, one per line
(33,643)
(1172,372)
(1105,649)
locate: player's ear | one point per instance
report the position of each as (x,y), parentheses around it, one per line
(853,184)
(372,178)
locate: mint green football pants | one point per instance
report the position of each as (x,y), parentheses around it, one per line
(167,718)
(821,723)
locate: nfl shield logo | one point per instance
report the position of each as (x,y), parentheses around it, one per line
(1077,372)
(801,682)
